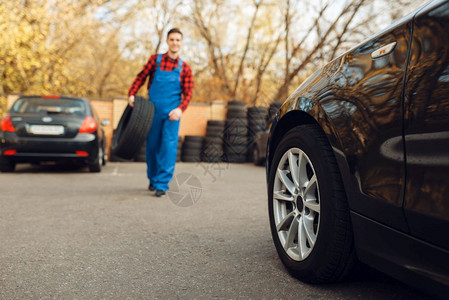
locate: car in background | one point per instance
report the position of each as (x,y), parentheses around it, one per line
(261,137)
(259,147)
(51,128)
(358,160)
(260,144)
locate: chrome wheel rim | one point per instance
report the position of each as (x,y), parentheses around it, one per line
(296,204)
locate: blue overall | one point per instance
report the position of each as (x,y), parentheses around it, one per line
(162,140)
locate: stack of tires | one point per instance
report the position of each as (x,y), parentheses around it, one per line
(213,143)
(191,148)
(178,153)
(256,122)
(236,131)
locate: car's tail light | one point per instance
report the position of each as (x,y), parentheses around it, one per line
(10,152)
(82,153)
(89,125)
(6,124)
(51,97)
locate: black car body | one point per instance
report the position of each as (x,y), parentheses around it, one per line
(51,128)
(378,118)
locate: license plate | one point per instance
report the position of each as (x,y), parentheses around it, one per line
(47,129)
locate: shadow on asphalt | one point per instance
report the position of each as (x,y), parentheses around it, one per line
(361,280)
(363,275)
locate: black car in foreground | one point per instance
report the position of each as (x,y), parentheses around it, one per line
(358,160)
(51,128)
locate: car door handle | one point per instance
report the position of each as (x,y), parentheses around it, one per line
(385,50)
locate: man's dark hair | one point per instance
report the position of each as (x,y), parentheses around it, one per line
(174,30)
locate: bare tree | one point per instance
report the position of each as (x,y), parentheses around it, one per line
(257,4)
(202,15)
(267,55)
(323,33)
(240,71)
(252,50)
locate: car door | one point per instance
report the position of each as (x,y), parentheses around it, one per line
(426,202)
(365,109)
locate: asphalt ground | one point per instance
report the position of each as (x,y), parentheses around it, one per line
(66,233)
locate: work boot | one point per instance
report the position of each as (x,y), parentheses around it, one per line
(159,193)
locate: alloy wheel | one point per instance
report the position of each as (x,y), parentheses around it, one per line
(296,204)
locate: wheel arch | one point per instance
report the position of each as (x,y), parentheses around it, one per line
(295,118)
(288,121)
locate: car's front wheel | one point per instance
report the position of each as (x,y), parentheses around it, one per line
(309,215)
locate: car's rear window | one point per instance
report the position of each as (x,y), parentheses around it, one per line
(49,106)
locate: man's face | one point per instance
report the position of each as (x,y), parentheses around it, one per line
(174,41)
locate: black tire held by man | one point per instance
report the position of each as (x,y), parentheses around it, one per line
(332,254)
(141,154)
(133,128)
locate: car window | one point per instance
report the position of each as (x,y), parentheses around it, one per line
(49,106)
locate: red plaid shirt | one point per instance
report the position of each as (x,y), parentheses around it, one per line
(167,64)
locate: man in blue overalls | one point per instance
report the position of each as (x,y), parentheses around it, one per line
(169,79)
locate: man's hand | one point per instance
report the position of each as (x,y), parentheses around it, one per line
(131,100)
(175,114)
